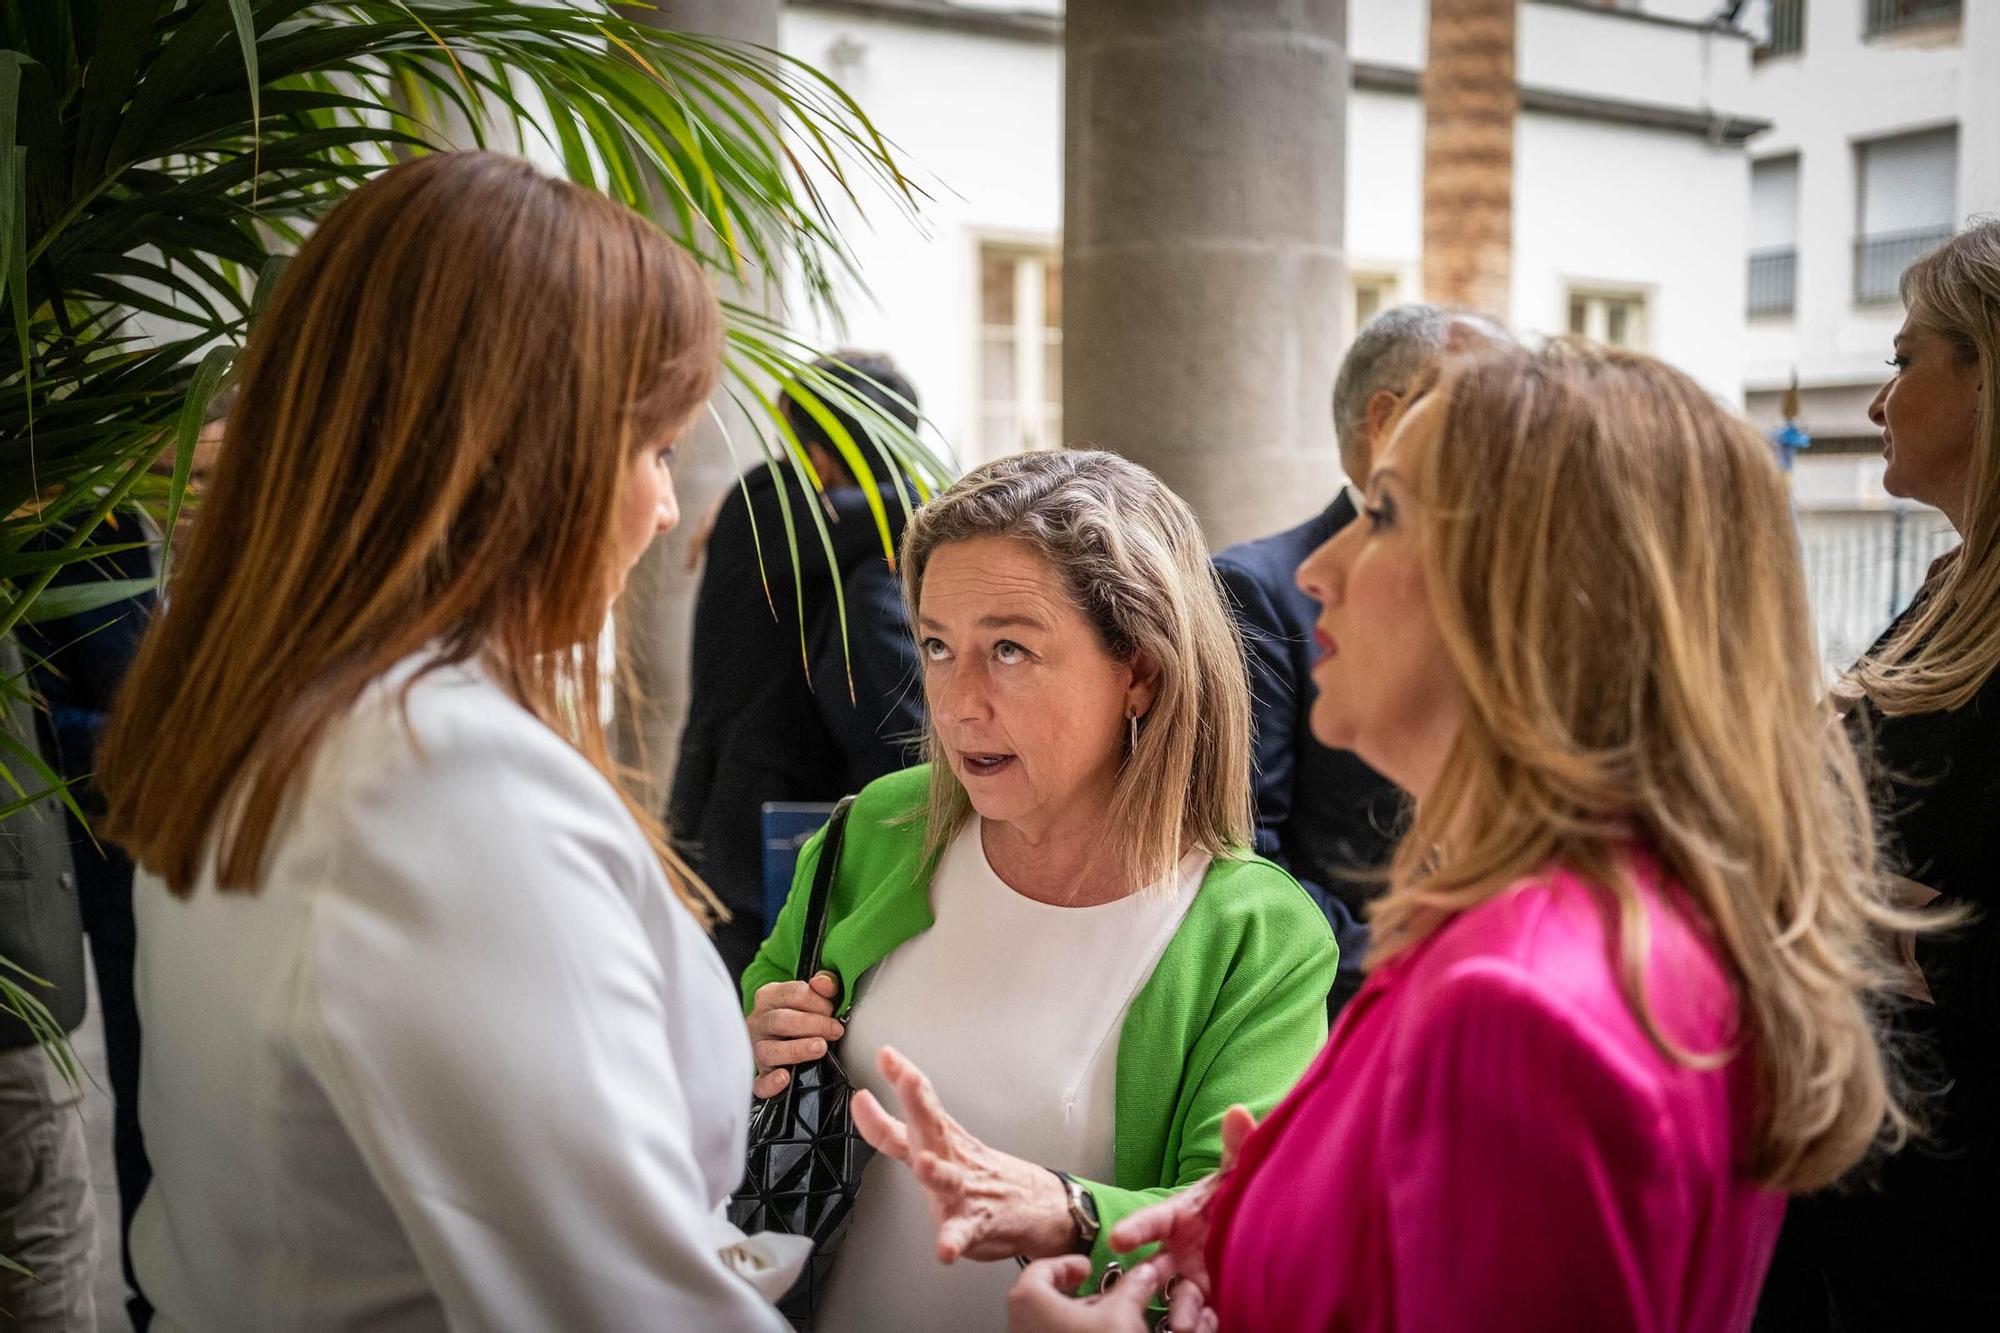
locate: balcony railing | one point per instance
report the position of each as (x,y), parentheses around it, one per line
(1892,15)
(1879,260)
(1788,29)
(1774,273)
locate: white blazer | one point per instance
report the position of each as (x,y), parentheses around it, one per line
(461,1060)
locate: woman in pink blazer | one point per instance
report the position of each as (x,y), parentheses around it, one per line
(1621,995)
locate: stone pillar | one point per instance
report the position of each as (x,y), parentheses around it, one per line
(1203,270)
(656,613)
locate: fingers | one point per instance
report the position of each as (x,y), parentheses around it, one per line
(1186,1311)
(777,1054)
(1154,1222)
(1039,1301)
(919,1098)
(1237,1124)
(795,1023)
(1063,1274)
(1136,1290)
(770,1084)
(934,1173)
(814,997)
(884,1133)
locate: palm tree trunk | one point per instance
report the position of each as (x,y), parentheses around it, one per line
(1471,102)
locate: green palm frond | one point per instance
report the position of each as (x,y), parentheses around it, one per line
(159,158)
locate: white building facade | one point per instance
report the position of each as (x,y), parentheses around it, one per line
(1631,190)
(1885,138)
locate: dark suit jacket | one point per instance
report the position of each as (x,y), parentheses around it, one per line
(1323,814)
(759,727)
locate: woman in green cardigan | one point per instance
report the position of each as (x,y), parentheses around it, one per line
(1053,928)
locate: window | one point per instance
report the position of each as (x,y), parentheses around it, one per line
(1774,235)
(1373,293)
(1020,350)
(1616,318)
(1784,28)
(1892,15)
(1906,197)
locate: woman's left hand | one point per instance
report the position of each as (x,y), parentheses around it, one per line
(1041,1302)
(987,1204)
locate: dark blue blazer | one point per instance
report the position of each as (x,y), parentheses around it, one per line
(1322,814)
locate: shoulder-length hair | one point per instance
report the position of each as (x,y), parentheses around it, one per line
(1611,561)
(1945,652)
(1131,556)
(436,414)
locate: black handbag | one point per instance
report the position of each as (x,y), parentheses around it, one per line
(806,1157)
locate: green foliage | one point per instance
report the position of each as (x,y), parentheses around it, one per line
(159,158)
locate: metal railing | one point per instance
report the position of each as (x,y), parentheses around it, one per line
(1774,274)
(1891,15)
(1862,568)
(1788,29)
(1879,260)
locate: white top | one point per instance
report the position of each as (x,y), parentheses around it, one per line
(1013,1007)
(462,1060)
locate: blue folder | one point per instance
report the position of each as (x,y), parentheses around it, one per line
(787,826)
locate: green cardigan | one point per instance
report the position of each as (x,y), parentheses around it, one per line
(1234,1011)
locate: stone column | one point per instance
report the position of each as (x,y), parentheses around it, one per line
(1203,270)
(656,613)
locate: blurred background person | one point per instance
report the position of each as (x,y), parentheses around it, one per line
(762,725)
(1323,813)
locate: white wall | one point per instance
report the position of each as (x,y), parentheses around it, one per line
(1600,205)
(1839,91)
(977,120)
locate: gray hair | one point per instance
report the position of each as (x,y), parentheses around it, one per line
(1392,352)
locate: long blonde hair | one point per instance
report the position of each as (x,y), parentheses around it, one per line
(1944,652)
(436,415)
(1611,562)
(1132,558)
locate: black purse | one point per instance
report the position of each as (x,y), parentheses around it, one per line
(806,1157)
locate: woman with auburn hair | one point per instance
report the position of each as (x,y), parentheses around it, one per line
(433,1033)
(1620,994)
(1916,1248)
(1051,946)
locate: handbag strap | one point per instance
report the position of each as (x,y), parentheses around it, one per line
(822,889)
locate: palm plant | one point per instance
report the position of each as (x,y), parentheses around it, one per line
(159,158)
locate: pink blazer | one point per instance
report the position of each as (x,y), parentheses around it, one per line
(1490,1140)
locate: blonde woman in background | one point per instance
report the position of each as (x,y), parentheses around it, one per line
(1621,989)
(1917,1248)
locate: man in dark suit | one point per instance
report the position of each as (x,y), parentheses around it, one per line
(764,725)
(1323,814)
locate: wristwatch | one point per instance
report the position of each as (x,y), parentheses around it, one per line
(1082,1211)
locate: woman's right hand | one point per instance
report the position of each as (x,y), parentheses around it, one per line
(792,1022)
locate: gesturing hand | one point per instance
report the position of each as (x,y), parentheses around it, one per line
(1180,1226)
(987,1204)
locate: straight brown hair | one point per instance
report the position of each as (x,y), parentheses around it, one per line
(436,413)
